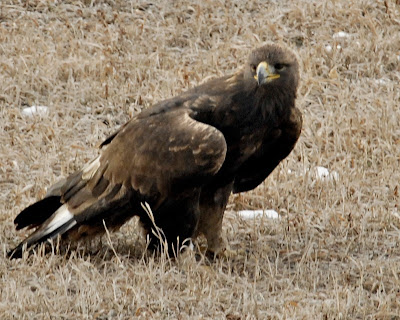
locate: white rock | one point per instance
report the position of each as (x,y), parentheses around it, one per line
(322,173)
(341,34)
(15,164)
(381,81)
(252,214)
(328,48)
(35,111)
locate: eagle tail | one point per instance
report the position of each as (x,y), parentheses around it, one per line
(58,223)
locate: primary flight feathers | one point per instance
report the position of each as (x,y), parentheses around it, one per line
(184,157)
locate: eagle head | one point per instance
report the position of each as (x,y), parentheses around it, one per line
(273,65)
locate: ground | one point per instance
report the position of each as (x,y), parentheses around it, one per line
(335,251)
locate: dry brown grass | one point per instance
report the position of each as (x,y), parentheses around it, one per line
(335,254)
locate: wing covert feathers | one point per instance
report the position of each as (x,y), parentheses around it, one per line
(158,153)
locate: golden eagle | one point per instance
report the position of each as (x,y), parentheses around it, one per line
(184,157)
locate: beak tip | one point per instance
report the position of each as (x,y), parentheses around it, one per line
(265,73)
(262,73)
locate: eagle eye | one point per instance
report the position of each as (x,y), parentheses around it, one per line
(279,66)
(253,67)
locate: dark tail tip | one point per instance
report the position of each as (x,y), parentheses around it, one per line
(38,237)
(37,213)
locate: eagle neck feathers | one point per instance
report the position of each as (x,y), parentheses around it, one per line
(274,103)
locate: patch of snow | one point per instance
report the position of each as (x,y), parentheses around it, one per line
(341,34)
(252,214)
(35,111)
(322,173)
(381,81)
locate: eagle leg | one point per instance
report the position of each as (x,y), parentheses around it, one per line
(213,202)
(172,224)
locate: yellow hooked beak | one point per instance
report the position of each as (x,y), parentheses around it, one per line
(265,73)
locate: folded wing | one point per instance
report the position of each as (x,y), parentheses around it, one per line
(152,158)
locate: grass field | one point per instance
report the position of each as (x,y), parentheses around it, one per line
(335,252)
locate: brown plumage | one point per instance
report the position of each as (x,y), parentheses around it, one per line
(184,157)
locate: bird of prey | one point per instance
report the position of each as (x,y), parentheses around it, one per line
(183,157)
